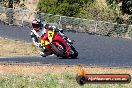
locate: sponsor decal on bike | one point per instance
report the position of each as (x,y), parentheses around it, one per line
(44,42)
(50,35)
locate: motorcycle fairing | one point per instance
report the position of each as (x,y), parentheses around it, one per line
(51,37)
(63,41)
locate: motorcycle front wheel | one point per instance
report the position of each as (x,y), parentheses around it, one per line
(75,53)
(58,51)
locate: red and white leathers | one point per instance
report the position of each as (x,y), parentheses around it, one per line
(41,32)
(35,35)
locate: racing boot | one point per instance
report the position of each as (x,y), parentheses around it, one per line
(44,52)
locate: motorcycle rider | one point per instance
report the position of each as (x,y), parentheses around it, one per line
(39,30)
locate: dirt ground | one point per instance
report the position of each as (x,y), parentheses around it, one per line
(43,69)
(10,48)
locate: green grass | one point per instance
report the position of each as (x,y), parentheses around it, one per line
(49,80)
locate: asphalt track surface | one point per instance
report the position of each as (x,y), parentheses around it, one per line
(93,50)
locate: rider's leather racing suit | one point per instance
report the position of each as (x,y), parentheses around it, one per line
(35,35)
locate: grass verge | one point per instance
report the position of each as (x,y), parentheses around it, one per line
(53,76)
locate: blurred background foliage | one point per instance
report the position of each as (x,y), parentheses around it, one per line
(117,11)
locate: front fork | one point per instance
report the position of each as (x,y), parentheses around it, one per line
(71,50)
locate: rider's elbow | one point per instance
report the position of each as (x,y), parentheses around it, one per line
(61,30)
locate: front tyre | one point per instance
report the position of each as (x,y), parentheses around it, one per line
(74,53)
(58,51)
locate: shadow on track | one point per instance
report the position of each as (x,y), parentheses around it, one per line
(66,58)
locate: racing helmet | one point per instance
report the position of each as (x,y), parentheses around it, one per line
(36,24)
(51,28)
(47,26)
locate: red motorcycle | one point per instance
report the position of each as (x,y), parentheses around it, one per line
(56,44)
